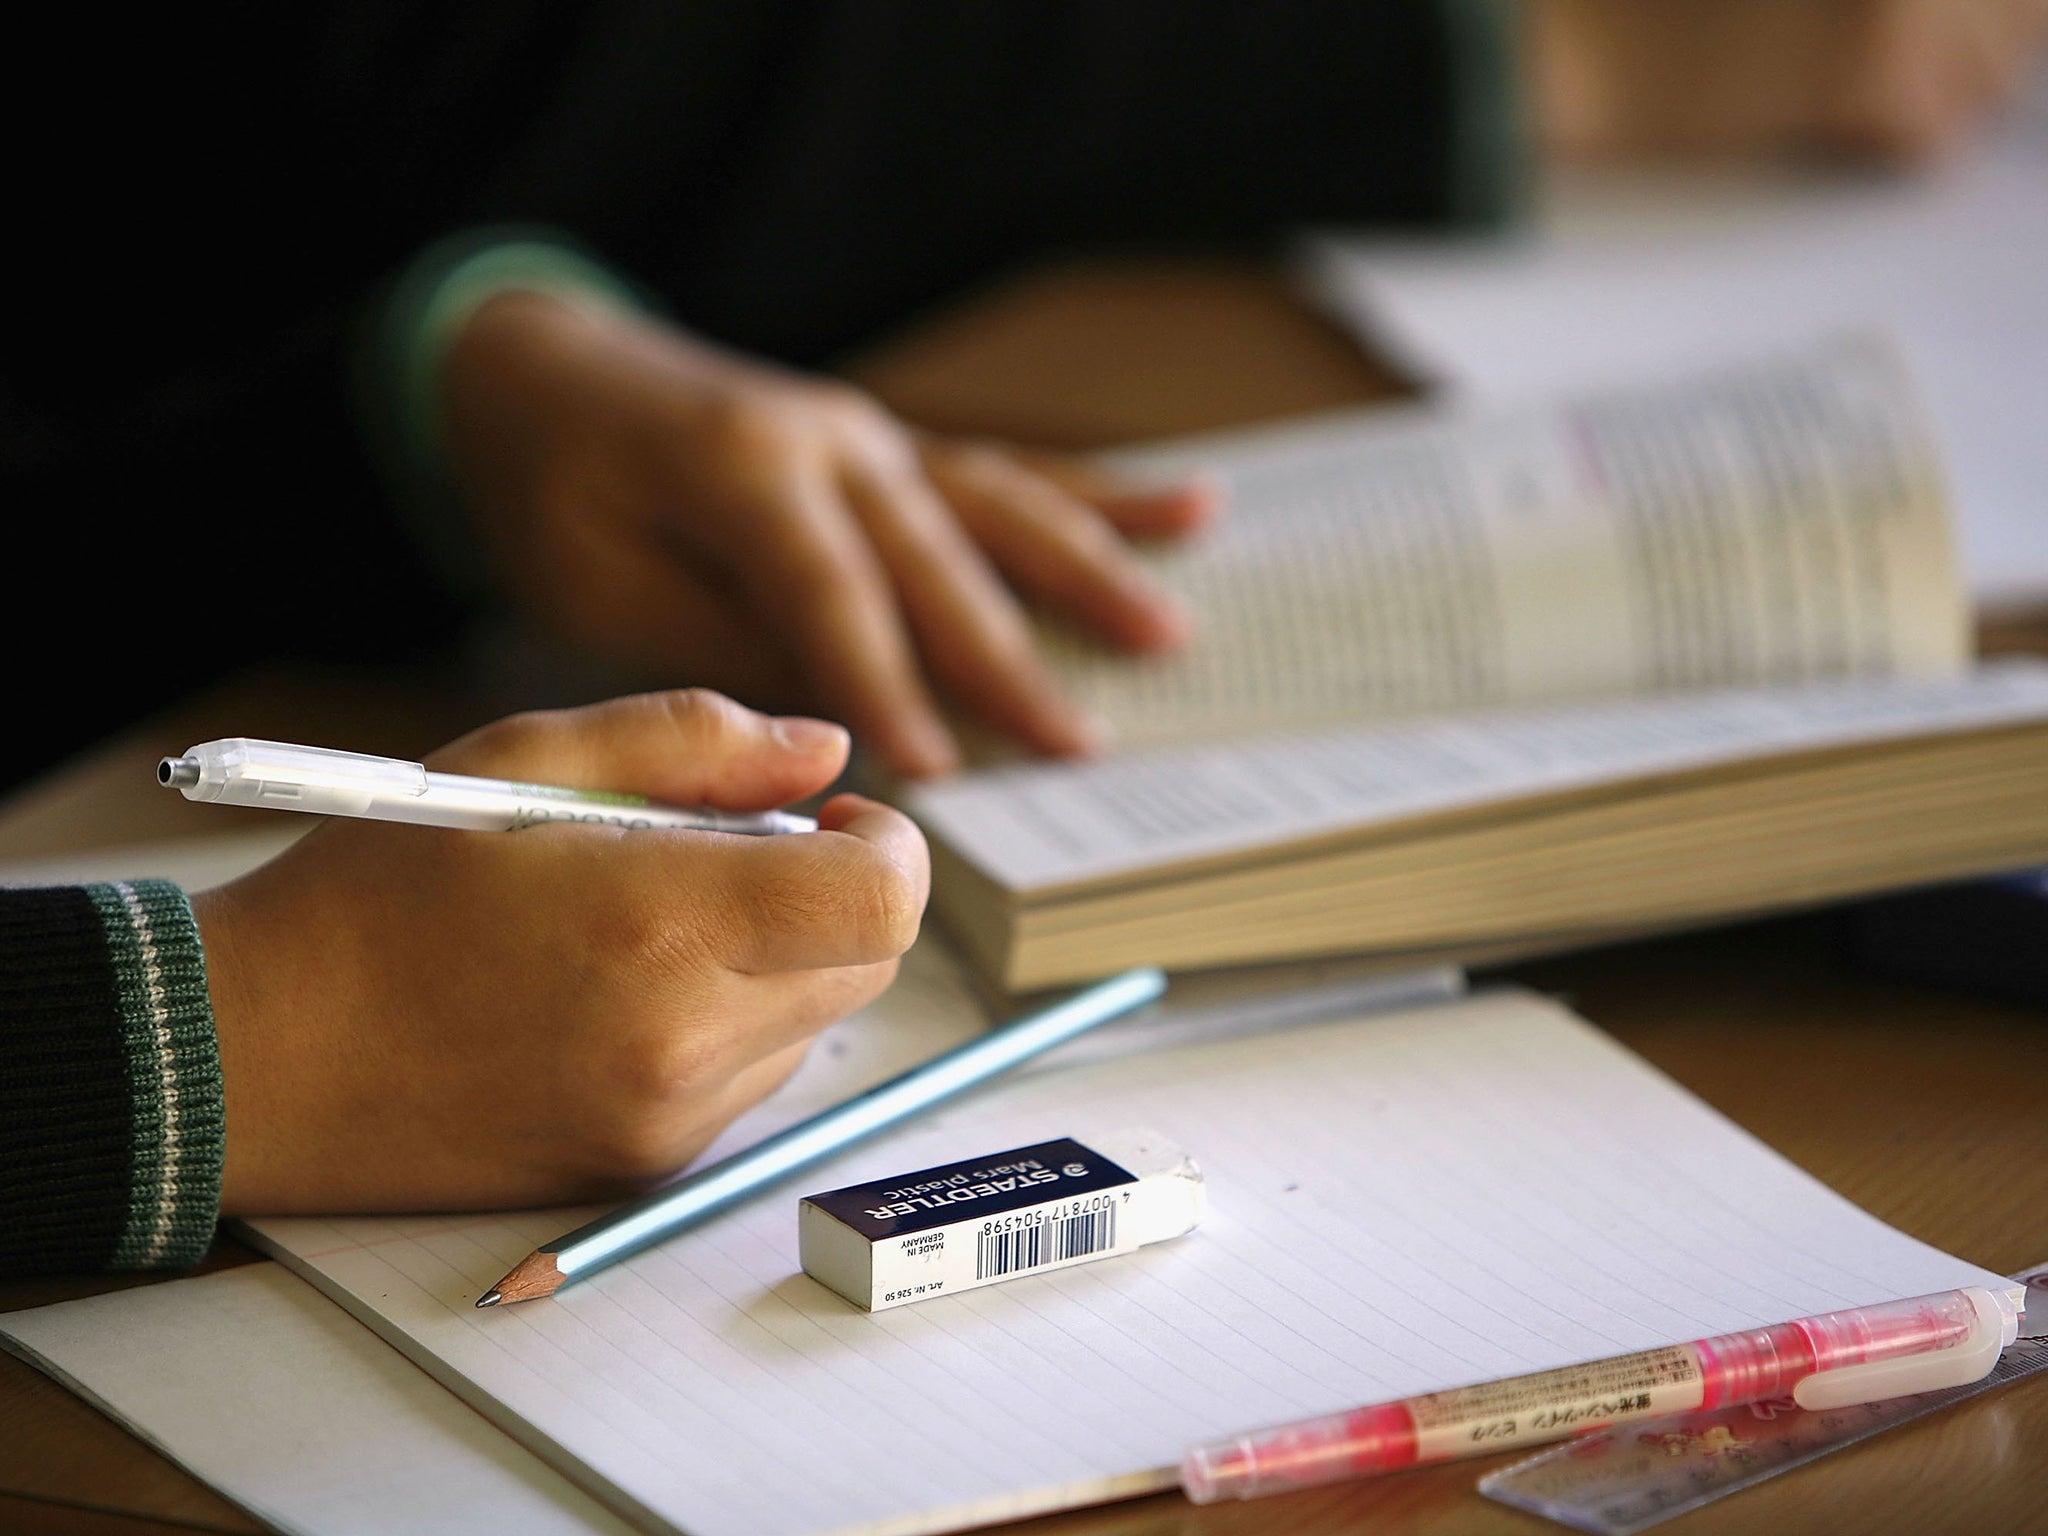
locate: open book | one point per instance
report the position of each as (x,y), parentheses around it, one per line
(1619,268)
(1474,684)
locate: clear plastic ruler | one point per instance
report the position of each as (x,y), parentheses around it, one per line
(1613,1482)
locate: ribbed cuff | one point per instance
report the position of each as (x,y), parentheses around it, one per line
(403,349)
(112,1127)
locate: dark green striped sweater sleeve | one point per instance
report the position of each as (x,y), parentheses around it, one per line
(111,1118)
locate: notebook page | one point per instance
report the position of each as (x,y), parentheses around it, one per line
(1763,522)
(1031,827)
(258,1385)
(233,1375)
(1399,1204)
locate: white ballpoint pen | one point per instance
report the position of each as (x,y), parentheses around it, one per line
(277,776)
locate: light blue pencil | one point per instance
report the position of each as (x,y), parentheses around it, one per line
(703,1194)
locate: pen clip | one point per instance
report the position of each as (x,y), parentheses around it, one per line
(1928,1371)
(242,770)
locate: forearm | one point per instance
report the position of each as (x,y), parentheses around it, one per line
(110,1101)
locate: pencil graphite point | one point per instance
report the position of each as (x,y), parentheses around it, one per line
(532,1277)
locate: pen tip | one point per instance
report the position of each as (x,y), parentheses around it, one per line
(490,1298)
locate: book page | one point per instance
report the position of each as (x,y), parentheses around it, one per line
(1038,827)
(1397,1204)
(1622,269)
(1773,521)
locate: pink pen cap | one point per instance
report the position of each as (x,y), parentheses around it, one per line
(1830,1360)
(1861,1354)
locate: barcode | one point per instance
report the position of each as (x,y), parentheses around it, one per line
(1045,1242)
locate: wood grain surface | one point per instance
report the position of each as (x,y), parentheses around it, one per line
(1923,1106)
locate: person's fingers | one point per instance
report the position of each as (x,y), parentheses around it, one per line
(850,894)
(690,746)
(814,573)
(1137,511)
(969,628)
(1060,550)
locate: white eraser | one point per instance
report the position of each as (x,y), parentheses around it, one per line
(1021,1212)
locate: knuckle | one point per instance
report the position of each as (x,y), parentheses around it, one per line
(646,951)
(747,427)
(697,712)
(884,908)
(846,404)
(803,909)
(637,938)
(864,422)
(872,909)
(662,1066)
(981,463)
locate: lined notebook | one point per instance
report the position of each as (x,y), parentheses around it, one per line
(1398,1203)
(264,1389)
(259,1386)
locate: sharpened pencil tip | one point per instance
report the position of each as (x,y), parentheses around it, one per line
(490,1298)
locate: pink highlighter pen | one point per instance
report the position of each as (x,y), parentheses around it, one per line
(1946,1340)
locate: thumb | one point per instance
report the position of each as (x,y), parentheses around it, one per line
(690,746)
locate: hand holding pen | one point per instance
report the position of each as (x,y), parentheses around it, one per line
(412,1020)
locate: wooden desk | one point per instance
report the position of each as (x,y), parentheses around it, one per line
(1923,1107)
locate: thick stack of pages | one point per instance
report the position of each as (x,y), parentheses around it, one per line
(1478,686)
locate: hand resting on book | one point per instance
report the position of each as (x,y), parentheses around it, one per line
(679,509)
